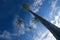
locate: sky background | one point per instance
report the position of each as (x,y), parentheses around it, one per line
(11,11)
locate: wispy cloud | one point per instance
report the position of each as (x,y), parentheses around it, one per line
(53,7)
(36,5)
(50,36)
(5,35)
(56,20)
(33,24)
(44,36)
(9,36)
(55,14)
(40,36)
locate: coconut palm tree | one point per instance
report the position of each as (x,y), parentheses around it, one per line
(19,22)
(52,28)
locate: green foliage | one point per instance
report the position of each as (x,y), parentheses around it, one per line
(35,20)
(19,21)
(25,6)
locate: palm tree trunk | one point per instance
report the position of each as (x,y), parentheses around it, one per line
(52,28)
(17,36)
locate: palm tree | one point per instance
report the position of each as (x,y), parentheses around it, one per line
(19,22)
(52,28)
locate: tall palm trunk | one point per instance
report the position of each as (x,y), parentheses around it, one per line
(17,36)
(52,28)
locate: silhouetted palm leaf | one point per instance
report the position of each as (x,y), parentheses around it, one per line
(36,20)
(19,21)
(26,6)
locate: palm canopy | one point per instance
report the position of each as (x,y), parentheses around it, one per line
(35,20)
(29,28)
(19,21)
(26,6)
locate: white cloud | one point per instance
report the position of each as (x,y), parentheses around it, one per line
(52,21)
(55,14)
(50,36)
(9,36)
(21,30)
(43,36)
(5,35)
(53,7)
(33,24)
(57,19)
(36,5)
(40,35)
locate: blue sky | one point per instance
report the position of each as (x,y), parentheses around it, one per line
(10,11)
